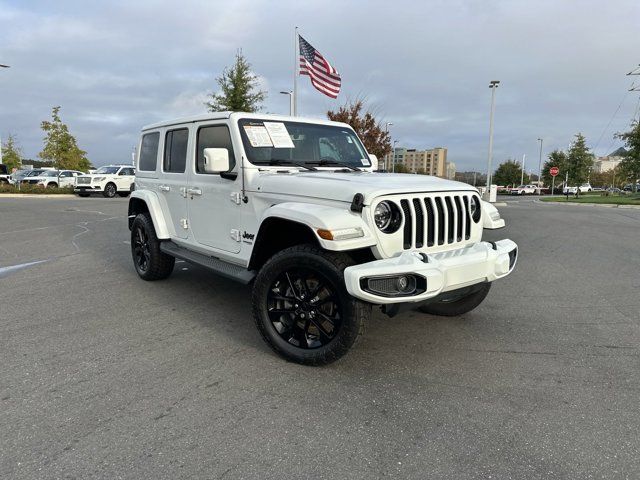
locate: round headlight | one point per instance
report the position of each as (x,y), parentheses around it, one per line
(475,209)
(387,216)
(382,215)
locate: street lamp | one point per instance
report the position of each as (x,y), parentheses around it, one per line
(2,66)
(493,84)
(290,93)
(393,153)
(393,158)
(540,169)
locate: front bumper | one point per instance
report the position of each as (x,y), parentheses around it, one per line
(442,272)
(87,188)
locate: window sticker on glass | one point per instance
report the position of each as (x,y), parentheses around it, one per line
(258,136)
(279,135)
(365,162)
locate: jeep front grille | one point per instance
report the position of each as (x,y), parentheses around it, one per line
(435,220)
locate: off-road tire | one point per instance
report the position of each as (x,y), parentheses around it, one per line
(124,194)
(110,190)
(458,306)
(330,266)
(158,265)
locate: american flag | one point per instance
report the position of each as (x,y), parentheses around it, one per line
(323,76)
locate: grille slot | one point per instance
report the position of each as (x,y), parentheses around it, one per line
(443,219)
(408,220)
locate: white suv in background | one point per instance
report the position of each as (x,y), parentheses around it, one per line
(54,178)
(108,180)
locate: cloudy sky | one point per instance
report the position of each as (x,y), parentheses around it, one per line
(114,66)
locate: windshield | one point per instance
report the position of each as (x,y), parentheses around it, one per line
(268,142)
(108,170)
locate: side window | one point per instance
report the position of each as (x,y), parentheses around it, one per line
(65,174)
(126,171)
(149,152)
(217,136)
(175,150)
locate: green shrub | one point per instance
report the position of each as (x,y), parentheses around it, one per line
(34,189)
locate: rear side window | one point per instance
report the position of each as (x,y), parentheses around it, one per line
(217,136)
(175,150)
(149,152)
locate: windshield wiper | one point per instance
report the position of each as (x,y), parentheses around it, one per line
(286,163)
(323,163)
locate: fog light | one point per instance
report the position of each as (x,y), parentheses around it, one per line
(394,285)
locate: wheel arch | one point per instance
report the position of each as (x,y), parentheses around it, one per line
(145,202)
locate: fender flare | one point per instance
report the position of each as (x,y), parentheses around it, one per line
(324,217)
(155,211)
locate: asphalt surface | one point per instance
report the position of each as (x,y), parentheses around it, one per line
(103,375)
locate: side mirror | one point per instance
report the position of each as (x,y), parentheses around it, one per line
(216,160)
(374,162)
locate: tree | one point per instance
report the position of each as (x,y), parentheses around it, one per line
(11,153)
(630,164)
(579,161)
(557,158)
(401,168)
(238,89)
(60,147)
(370,130)
(509,173)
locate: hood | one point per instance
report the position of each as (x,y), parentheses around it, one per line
(343,186)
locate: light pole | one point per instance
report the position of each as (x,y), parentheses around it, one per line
(540,169)
(522,171)
(290,93)
(386,130)
(493,84)
(393,158)
(2,66)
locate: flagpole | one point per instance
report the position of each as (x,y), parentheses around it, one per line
(295,72)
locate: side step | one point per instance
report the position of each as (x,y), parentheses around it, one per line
(234,272)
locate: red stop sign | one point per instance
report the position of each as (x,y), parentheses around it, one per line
(554,171)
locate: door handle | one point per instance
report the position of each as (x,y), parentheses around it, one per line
(194,191)
(164,188)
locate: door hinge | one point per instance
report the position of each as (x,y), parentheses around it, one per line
(235,234)
(235,197)
(185,223)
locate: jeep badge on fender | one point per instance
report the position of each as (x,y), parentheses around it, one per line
(294,207)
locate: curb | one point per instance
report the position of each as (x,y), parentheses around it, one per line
(36,195)
(606,205)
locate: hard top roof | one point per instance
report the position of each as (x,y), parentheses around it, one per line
(237,115)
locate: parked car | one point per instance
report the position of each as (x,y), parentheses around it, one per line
(110,180)
(585,187)
(4,173)
(523,190)
(53,178)
(569,190)
(629,187)
(291,206)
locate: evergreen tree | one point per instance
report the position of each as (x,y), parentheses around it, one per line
(376,140)
(579,161)
(238,89)
(60,147)
(11,153)
(630,165)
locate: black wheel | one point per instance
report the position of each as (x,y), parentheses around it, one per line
(52,185)
(458,302)
(150,262)
(302,308)
(83,194)
(124,194)
(110,190)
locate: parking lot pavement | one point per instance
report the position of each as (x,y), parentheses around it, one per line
(106,376)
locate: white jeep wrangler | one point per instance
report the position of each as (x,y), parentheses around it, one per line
(293,206)
(110,180)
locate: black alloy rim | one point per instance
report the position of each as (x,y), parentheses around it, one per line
(141,251)
(304,308)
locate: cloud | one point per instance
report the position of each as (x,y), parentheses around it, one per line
(425,66)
